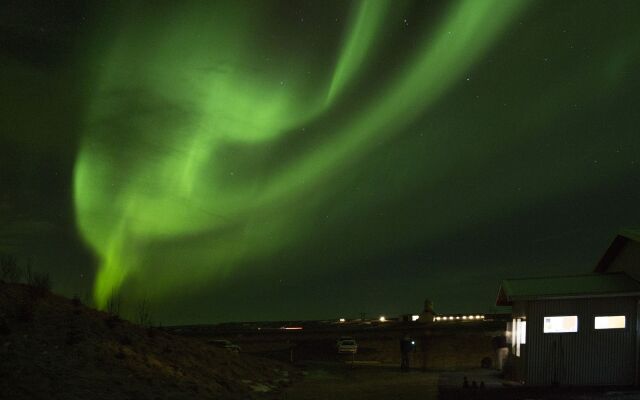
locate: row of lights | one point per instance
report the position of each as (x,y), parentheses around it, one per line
(381,319)
(384,319)
(457,317)
(416,317)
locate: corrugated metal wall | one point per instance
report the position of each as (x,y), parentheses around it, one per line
(588,357)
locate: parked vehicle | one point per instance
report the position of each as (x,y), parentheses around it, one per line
(347,346)
(344,338)
(225,344)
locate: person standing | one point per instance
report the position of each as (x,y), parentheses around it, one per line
(406,345)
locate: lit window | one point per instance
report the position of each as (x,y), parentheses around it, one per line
(561,324)
(523,332)
(517,335)
(610,322)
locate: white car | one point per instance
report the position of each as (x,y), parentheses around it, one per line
(344,338)
(347,346)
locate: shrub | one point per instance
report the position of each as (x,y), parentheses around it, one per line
(114,303)
(143,315)
(76,302)
(40,281)
(28,274)
(9,271)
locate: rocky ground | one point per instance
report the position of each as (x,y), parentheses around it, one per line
(52,347)
(338,381)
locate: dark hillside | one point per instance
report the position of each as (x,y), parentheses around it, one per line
(52,347)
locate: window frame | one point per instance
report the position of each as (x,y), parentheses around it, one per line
(560,316)
(609,316)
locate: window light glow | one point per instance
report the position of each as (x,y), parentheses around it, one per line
(415,317)
(561,324)
(342,320)
(523,332)
(518,335)
(382,318)
(610,322)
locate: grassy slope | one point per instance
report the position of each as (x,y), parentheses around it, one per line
(51,348)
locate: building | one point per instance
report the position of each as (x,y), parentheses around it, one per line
(582,329)
(622,255)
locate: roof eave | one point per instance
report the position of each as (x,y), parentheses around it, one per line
(573,296)
(614,249)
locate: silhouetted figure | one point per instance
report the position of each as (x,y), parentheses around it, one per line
(474,385)
(406,346)
(481,384)
(465,383)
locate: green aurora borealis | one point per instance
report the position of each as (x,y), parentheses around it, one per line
(269,157)
(168,173)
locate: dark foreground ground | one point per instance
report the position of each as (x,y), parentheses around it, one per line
(52,347)
(337,381)
(341,381)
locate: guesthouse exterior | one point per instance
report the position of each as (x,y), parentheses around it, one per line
(574,330)
(579,329)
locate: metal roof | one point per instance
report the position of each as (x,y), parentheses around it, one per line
(633,234)
(618,244)
(590,285)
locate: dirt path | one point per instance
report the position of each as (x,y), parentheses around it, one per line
(337,382)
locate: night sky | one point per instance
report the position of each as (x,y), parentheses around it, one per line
(313,159)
